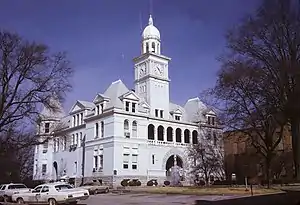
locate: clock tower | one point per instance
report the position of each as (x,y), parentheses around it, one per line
(151,73)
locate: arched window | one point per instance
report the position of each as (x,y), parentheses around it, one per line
(153,47)
(195,137)
(186,136)
(102,129)
(147,47)
(151,132)
(178,135)
(170,134)
(126,129)
(160,133)
(134,129)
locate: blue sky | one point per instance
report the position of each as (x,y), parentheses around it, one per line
(102,36)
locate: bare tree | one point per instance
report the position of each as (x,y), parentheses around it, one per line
(267,44)
(207,158)
(30,77)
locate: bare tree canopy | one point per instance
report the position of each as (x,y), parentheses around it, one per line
(30,76)
(259,82)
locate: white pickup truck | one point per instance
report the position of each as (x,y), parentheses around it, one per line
(7,190)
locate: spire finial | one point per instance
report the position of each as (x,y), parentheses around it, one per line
(150,20)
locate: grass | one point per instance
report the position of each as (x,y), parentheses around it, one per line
(203,191)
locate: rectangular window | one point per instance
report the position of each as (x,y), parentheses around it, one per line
(47,127)
(64,143)
(134,161)
(156,112)
(95,162)
(177,117)
(45,147)
(208,120)
(54,145)
(77,139)
(80,140)
(102,129)
(133,107)
(44,169)
(77,116)
(102,108)
(161,113)
(213,121)
(101,161)
(97,110)
(127,106)
(125,161)
(96,130)
(81,118)
(74,120)
(153,159)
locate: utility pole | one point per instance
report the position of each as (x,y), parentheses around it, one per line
(83,159)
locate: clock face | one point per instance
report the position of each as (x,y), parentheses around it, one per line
(142,70)
(159,70)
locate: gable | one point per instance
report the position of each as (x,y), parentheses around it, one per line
(211,113)
(177,112)
(145,105)
(130,96)
(100,98)
(76,107)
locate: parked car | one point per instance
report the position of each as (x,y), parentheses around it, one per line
(95,188)
(52,194)
(7,190)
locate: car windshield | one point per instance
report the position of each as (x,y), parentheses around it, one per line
(63,187)
(17,186)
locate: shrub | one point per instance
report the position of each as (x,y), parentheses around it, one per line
(167,183)
(124,182)
(138,183)
(152,182)
(131,183)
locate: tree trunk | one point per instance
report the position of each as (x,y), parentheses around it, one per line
(295,126)
(268,170)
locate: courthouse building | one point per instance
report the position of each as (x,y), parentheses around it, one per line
(125,133)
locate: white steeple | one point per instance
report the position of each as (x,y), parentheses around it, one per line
(151,38)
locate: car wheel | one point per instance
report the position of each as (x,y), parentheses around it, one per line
(20,201)
(106,190)
(6,199)
(52,202)
(73,203)
(96,191)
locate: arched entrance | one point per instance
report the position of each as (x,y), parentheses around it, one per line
(172,161)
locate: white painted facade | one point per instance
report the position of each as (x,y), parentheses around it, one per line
(127,134)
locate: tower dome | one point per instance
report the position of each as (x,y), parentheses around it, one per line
(151,39)
(151,31)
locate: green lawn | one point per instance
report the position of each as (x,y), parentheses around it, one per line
(202,191)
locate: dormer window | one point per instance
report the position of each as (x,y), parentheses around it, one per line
(177,117)
(133,107)
(156,112)
(102,107)
(127,106)
(161,113)
(211,120)
(97,109)
(47,127)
